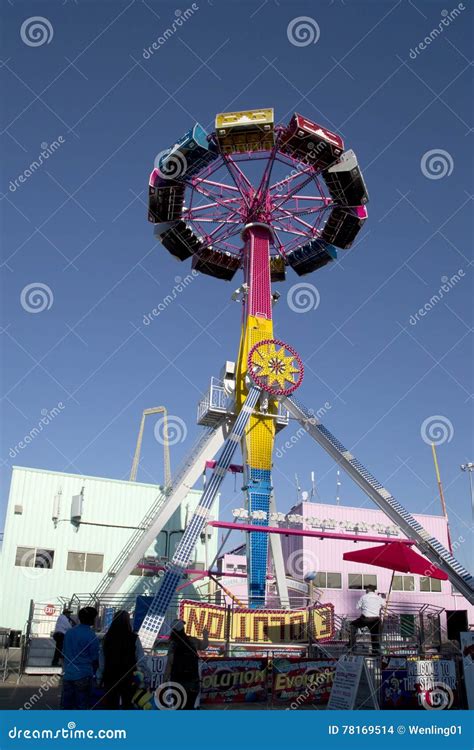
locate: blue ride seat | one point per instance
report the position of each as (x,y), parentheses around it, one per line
(189,155)
(311,257)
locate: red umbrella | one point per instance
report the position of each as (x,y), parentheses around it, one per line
(396,556)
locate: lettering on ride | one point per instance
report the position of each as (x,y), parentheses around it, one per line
(257,626)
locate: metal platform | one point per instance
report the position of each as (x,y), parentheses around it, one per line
(216,403)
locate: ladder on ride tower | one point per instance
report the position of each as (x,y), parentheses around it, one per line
(156,614)
(431,548)
(163,508)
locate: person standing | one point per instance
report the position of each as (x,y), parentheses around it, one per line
(120,655)
(370,605)
(182,666)
(81,659)
(64,623)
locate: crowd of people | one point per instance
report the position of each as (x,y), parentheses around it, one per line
(101,673)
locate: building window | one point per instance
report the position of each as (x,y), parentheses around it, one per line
(32,557)
(403,583)
(87,562)
(430,584)
(144,572)
(325,580)
(360,581)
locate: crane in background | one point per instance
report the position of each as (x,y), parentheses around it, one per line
(441,494)
(166,447)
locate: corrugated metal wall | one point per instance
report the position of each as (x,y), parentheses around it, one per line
(106,501)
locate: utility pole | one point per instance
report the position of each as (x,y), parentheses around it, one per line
(469,467)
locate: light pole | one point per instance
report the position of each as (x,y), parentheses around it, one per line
(470,468)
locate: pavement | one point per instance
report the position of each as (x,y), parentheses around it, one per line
(39,692)
(43,692)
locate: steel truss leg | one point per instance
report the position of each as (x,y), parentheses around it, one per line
(428,545)
(160,513)
(278,563)
(154,619)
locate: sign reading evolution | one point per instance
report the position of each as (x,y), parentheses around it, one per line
(262,626)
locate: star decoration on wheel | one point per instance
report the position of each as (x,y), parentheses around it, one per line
(275,367)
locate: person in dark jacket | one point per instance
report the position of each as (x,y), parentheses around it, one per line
(182,667)
(81,659)
(119,656)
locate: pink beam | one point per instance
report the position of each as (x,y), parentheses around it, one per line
(257,271)
(304,532)
(221,185)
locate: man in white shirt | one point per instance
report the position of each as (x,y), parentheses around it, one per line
(64,623)
(370,605)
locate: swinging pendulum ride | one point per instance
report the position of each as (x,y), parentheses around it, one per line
(218,199)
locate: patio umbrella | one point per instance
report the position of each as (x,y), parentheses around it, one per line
(397,557)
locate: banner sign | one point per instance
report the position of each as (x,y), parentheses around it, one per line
(433,682)
(256,625)
(394,693)
(467,650)
(300,682)
(234,681)
(409,683)
(156,665)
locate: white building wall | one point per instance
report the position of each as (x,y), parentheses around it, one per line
(106,501)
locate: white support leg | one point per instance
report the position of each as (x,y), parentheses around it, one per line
(162,511)
(428,545)
(278,563)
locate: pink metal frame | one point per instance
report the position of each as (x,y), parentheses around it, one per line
(218,211)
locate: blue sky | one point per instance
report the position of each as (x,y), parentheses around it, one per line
(78,225)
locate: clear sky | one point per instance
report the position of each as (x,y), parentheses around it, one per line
(77,227)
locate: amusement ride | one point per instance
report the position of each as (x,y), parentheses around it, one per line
(256,197)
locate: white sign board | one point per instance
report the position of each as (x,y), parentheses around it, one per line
(352,686)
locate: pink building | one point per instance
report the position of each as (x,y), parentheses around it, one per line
(341,582)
